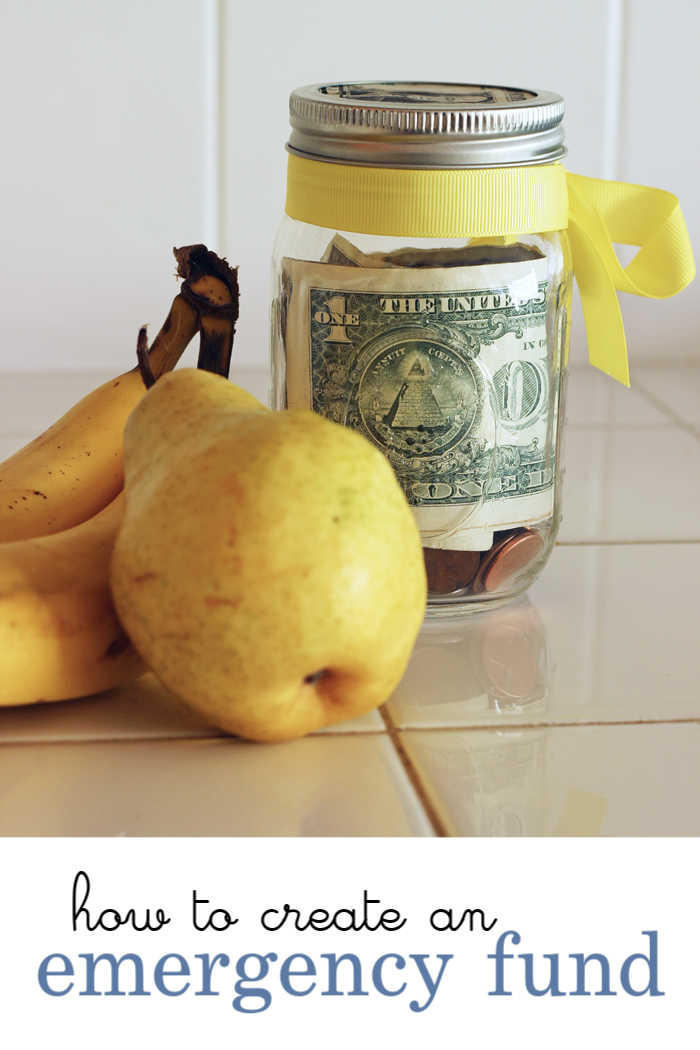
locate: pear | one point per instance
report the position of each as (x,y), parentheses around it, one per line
(268,569)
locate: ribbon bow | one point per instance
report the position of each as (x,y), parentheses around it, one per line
(602,213)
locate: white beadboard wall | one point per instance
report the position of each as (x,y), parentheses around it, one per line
(134,125)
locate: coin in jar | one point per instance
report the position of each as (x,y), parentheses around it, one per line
(449,571)
(507,559)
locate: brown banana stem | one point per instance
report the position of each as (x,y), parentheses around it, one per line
(215,344)
(211,287)
(179,328)
(207,302)
(143,359)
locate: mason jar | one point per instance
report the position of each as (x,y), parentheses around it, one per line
(421,291)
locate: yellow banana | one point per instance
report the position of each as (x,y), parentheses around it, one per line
(59,633)
(73,470)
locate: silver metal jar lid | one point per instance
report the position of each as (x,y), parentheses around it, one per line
(411,124)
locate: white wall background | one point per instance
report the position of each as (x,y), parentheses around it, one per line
(130,126)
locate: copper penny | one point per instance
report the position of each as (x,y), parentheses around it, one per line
(507,559)
(449,571)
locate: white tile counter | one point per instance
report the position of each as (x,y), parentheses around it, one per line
(575,711)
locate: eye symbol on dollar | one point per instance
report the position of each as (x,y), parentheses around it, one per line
(418,397)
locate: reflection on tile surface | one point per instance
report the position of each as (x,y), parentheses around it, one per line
(137,711)
(349,785)
(605,635)
(593,780)
(630,484)
(371,722)
(485,668)
(622,631)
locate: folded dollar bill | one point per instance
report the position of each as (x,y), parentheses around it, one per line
(341,252)
(443,363)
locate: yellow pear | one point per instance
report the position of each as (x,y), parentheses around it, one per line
(268,567)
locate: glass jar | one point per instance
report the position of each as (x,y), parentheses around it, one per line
(403,309)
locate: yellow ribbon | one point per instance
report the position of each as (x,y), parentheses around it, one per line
(496,202)
(602,213)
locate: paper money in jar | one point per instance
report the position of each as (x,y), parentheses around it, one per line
(445,368)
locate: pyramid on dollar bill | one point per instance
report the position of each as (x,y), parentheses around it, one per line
(417,405)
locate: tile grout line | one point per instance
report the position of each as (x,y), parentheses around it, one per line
(71,741)
(639,385)
(513,726)
(391,730)
(655,400)
(429,808)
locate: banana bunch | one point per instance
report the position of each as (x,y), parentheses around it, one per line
(61,507)
(59,634)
